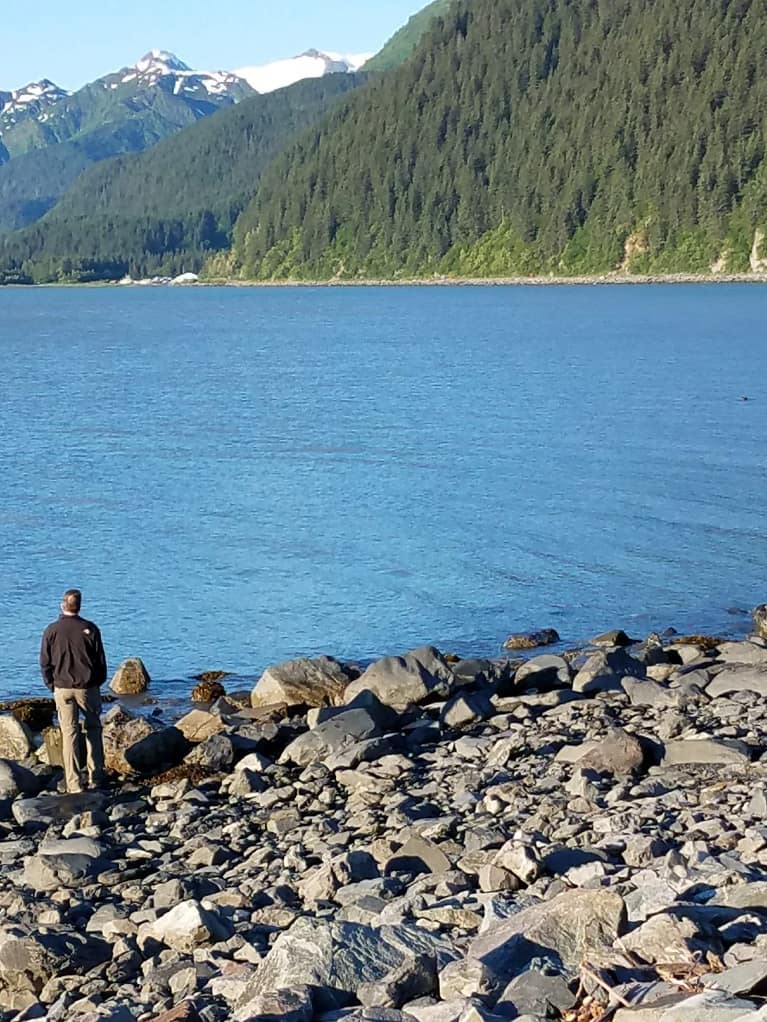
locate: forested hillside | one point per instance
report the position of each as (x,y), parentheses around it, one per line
(166,210)
(528,136)
(406,39)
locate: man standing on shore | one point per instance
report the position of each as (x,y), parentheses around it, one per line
(74,667)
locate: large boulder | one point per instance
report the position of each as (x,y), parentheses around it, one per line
(188,925)
(619,753)
(15,738)
(746,678)
(131,678)
(319,681)
(29,960)
(605,670)
(36,713)
(68,862)
(122,730)
(568,929)
(159,751)
(337,959)
(401,681)
(760,621)
(17,780)
(543,672)
(339,728)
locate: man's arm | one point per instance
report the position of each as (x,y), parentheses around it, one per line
(46,663)
(100,665)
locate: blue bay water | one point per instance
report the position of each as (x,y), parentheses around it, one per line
(240,476)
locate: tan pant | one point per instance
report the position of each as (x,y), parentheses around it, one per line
(69,703)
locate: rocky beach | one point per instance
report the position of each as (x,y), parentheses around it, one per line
(578,836)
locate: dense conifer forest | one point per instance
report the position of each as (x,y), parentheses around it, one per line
(166,210)
(535,136)
(520,137)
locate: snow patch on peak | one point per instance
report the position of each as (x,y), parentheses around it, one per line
(312,64)
(43,93)
(160,60)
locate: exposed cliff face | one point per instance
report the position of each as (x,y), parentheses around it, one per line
(758,255)
(635,245)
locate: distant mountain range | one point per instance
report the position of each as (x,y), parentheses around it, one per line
(48,136)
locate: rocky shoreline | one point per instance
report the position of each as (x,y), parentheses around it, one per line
(579,837)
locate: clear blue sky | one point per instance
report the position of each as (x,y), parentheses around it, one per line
(75,42)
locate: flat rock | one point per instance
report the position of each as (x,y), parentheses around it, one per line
(739,679)
(44,810)
(545,671)
(198,725)
(711,751)
(418,855)
(744,652)
(645,692)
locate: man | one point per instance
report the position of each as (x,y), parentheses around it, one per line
(74,667)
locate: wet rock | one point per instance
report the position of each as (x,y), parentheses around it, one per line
(616,637)
(208,690)
(36,713)
(403,681)
(305,682)
(531,640)
(131,678)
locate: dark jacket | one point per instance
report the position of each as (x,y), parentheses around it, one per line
(72,654)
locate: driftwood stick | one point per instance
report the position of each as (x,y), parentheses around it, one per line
(605,986)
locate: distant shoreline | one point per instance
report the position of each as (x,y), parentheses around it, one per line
(441,281)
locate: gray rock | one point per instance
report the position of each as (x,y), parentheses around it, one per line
(15,738)
(760,620)
(668,938)
(215,754)
(748,978)
(121,731)
(336,959)
(30,960)
(568,928)
(68,862)
(616,637)
(710,1006)
(320,681)
(418,855)
(42,811)
(644,692)
(466,708)
(619,753)
(187,926)
(415,976)
(743,653)
(541,672)
(739,679)
(159,751)
(706,751)
(131,678)
(331,736)
(604,671)
(17,780)
(294,1005)
(537,993)
(403,681)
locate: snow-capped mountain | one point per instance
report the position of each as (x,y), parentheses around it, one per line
(313,64)
(34,99)
(159,67)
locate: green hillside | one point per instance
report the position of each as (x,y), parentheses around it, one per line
(165,210)
(45,154)
(406,39)
(530,136)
